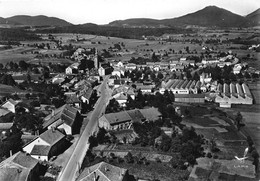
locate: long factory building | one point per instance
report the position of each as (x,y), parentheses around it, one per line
(179,86)
(233,94)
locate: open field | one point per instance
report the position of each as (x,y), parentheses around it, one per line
(138,48)
(7,90)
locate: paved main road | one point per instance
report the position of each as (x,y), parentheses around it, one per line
(70,171)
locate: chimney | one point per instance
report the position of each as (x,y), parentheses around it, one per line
(53,129)
(52,112)
(11,153)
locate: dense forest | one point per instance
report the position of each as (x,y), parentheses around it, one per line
(16,34)
(132,33)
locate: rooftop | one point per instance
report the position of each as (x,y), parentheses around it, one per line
(103,171)
(42,150)
(117,117)
(17,167)
(52,136)
(66,113)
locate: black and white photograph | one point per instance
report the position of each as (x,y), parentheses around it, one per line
(129,90)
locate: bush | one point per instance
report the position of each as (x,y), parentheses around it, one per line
(209,155)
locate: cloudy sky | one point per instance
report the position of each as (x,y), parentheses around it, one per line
(105,11)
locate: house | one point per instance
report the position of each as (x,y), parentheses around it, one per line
(46,145)
(66,117)
(72,69)
(164,66)
(121,98)
(122,120)
(124,91)
(58,79)
(85,95)
(10,105)
(4,112)
(20,167)
(237,68)
(130,66)
(145,88)
(176,67)
(205,78)
(103,172)
(115,121)
(73,99)
(5,129)
(104,70)
(119,82)
(118,71)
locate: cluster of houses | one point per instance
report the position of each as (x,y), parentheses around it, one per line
(63,121)
(7,108)
(23,167)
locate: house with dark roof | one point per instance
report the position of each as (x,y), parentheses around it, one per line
(72,99)
(66,117)
(85,95)
(104,172)
(46,145)
(19,167)
(121,120)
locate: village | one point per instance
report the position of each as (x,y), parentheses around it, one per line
(157,117)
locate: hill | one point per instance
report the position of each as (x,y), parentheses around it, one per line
(210,16)
(38,20)
(254,17)
(137,22)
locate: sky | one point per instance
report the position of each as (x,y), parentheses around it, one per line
(105,11)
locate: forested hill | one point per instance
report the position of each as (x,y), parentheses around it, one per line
(34,21)
(17,34)
(134,33)
(210,16)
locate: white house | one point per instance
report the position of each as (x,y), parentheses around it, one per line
(118,72)
(237,68)
(45,145)
(10,105)
(73,68)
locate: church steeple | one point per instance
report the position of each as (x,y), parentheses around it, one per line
(96,63)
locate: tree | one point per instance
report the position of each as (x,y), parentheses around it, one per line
(1,66)
(101,136)
(160,75)
(23,65)
(165,143)
(129,158)
(154,57)
(238,120)
(92,141)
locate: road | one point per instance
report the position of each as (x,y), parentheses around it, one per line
(70,171)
